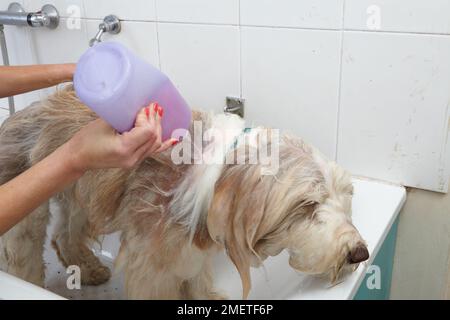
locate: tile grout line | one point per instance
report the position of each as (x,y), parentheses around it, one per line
(240,49)
(338,112)
(438,34)
(157,37)
(279,27)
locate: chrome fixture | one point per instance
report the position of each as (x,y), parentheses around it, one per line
(110,24)
(234,105)
(48,16)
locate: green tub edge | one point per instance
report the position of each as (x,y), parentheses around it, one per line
(377,281)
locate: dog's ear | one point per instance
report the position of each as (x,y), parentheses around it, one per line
(235,215)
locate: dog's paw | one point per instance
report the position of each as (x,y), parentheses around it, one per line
(93,272)
(95,275)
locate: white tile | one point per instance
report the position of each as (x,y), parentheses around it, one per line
(290,81)
(24,100)
(5,3)
(21,101)
(140,37)
(202,61)
(61,45)
(66,8)
(394,101)
(4,104)
(126,10)
(399,15)
(204,11)
(4,114)
(321,14)
(18,45)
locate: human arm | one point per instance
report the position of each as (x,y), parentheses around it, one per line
(19,79)
(95,146)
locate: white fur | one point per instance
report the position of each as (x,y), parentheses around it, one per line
(188,202)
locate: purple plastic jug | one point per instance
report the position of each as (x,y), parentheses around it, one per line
(116,84)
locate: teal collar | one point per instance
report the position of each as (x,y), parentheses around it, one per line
(236,140)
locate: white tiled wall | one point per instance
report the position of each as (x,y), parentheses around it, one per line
(3,114)
(319,14)
(202,60)
(59,45)
(140,36)
(420,16)
(299,97)
(199,11)
(393,115)
(66,8)
(127,10)
(367,82)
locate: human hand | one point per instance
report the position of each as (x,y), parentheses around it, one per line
(98,145)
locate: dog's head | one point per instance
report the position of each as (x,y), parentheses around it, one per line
(305,208)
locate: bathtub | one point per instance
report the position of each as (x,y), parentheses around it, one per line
(375,208)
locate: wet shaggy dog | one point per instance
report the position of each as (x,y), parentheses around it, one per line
(174,217)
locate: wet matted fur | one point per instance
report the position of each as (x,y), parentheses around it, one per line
(174,218)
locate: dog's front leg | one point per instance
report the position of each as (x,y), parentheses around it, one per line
(146,274)
(201,287)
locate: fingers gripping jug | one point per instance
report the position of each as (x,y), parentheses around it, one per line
(116,84)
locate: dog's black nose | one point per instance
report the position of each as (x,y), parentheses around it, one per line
(358,254)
